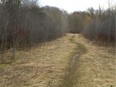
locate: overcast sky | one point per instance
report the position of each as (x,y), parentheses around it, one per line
(76,5)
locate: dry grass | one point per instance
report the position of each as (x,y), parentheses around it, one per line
(47,66)
(39,67)
(69,79)
(96,68)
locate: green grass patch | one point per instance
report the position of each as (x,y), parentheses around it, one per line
(82,48)
(2,66)
(72,40)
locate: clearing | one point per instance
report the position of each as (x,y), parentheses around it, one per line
(70,61)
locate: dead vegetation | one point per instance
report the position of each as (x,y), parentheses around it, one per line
(96,68)
(43,66)
(48,65)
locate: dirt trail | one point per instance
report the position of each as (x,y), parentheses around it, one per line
(96,68)
(70,61)
(69,79)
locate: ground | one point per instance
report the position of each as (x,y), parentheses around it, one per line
(70,61)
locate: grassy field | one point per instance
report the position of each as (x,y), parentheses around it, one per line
(97,67)
(70,61)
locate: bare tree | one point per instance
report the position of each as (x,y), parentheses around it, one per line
(109,4)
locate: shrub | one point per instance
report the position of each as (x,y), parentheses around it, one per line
(102,28)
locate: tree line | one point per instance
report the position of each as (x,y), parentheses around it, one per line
(23,24)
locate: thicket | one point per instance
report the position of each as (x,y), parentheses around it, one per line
(102,26)
(23,24)
(96,25)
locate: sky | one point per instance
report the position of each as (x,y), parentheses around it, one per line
(76,5)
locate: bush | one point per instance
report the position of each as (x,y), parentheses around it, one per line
(102,28)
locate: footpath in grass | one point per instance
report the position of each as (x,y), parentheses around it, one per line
(97,67)
(70,76)
(70,61)
(39,67)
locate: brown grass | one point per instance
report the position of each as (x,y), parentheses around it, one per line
(47,66)
(39,67)
(96,68)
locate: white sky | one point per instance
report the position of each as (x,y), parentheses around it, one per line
(76,5)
